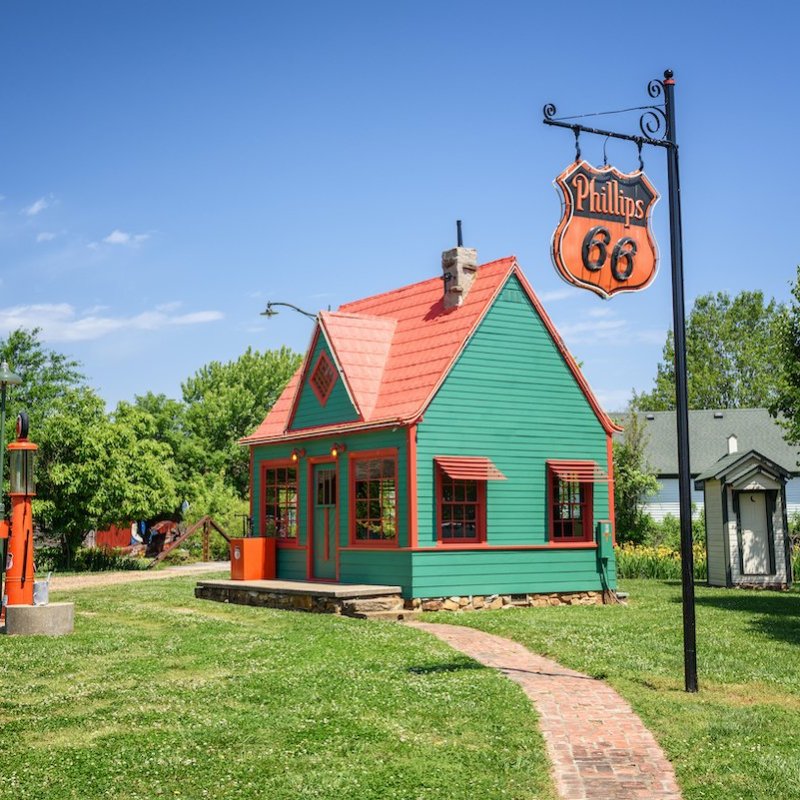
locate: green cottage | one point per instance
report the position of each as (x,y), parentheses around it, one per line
(441,438)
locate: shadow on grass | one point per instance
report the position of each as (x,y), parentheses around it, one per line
(775,614)
(451,667)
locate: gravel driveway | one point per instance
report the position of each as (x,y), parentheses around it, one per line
(91,579)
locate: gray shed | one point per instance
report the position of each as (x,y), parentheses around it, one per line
(747,535)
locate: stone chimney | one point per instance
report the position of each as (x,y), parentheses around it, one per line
(733,444)
(459,266)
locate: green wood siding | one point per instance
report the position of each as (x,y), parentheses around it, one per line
(511,397)
(507,572)
(338,408)
(291,564)
(353,567)
(387,567)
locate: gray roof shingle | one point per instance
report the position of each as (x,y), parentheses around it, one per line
(709,430)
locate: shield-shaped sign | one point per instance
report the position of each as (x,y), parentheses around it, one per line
(603,242)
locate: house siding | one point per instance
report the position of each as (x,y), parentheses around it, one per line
(387,567)
(291,564)
(508,572)
(793,496)
(666,501)
(338,407)
(353,563)
(510,397)
(715,541)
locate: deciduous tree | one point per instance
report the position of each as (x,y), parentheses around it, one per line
(732,357)
(786,404)
(226,402)
(96,469)
(634,482)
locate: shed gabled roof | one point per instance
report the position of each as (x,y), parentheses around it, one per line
(733,461)
(395,349)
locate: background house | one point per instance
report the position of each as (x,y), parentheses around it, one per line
(439,437)
(709,432)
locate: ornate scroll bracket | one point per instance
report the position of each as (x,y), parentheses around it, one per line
(652,121)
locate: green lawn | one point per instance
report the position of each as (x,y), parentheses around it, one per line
(739,737)
(159,695)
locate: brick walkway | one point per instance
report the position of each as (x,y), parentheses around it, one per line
(599,748)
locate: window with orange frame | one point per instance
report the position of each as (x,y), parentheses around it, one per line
(461,517)
(279,506)
(570,509)
(373,492)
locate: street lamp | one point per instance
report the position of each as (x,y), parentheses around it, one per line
(270,311)
(7,378)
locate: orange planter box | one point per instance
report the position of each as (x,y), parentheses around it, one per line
(252,559)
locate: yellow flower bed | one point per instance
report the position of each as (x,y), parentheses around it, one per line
(664,563)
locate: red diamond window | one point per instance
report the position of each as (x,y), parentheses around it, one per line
(322,379)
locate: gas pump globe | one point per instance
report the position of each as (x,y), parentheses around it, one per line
(22,455)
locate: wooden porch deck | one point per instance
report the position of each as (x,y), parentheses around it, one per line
(349,599)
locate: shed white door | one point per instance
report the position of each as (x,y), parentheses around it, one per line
(755,548)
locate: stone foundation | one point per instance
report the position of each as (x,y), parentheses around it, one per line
(361,602)
(479,602)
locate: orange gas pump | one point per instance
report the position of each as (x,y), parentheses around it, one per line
(19,561)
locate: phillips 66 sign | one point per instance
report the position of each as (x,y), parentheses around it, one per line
(603,242)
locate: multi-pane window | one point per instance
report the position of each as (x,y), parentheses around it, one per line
(571,509)
(462,510)
(280,502)
(375,496)
(322,378)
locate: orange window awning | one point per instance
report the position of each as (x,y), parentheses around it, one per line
(469,468)
(578,471)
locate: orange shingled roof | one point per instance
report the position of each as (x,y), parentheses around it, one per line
(360,344)
(395,349)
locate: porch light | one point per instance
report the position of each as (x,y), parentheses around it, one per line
(337,448)
(298,453)
(270,311)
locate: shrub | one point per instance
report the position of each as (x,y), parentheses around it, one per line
(667,533)
(49,558)
(663,563)
(86,559)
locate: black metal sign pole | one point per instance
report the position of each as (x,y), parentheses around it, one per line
(657,124)
(681,392)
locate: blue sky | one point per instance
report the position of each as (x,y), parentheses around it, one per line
(168,167)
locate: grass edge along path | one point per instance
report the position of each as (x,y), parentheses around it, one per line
(598,746)
(734,740)
(158,694)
